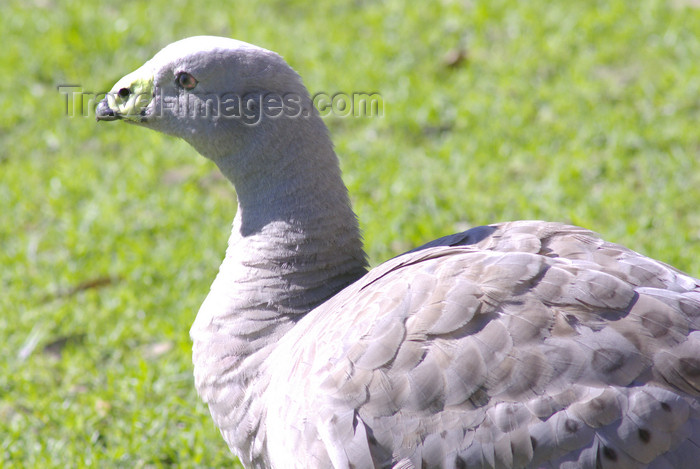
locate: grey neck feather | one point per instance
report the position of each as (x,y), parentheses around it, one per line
(295,243)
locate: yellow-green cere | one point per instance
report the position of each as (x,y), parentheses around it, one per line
(130,96)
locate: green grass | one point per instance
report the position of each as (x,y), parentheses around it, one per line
(582,112)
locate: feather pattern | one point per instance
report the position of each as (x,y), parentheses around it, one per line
(498,356)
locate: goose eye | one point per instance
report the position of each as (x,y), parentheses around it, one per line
(186,81)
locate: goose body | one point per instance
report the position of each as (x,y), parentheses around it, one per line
(522,344)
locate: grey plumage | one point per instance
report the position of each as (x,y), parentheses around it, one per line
(556,360)
(522,344)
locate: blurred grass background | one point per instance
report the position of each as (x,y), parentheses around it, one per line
(581,112)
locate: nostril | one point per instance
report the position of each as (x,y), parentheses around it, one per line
(124,92)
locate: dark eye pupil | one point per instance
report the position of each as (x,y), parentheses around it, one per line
(124,92)
(186,80)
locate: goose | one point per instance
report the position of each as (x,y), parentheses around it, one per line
(513,345)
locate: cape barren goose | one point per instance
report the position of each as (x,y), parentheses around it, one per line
(522,344)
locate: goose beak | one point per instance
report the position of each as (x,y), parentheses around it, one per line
(104,113)
(129,98)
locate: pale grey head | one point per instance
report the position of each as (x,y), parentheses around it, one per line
(216,93)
